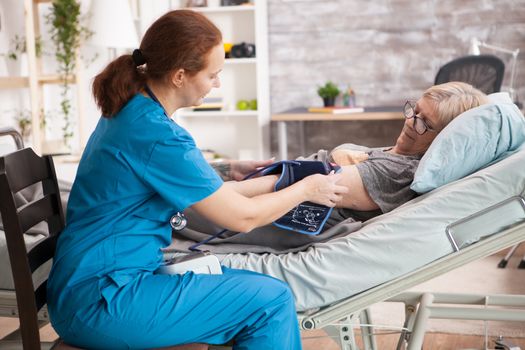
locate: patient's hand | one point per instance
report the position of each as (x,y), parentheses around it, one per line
(348,157)
(241,168)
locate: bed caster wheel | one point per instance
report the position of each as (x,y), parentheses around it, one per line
(501,344)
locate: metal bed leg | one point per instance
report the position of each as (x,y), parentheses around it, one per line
(344,334)
(347,336)
(501,344)
(503,263)
(522,263)
(367,332)
(410,316)
(422,316)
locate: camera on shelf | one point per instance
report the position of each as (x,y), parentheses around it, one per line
(242,50)
(234,2)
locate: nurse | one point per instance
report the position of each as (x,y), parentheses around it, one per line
(139,168)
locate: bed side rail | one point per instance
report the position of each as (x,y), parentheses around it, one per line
(485,223)
(511,231)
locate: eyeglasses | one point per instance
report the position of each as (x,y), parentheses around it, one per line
(420,125)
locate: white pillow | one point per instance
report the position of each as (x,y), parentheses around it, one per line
(473,140)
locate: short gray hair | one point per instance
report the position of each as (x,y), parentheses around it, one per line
(453,98)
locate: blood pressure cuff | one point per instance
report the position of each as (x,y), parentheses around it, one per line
(308,218)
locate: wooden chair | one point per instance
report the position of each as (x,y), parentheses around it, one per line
(20,170)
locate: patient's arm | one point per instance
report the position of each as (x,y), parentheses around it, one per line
(357,196)
(343,156)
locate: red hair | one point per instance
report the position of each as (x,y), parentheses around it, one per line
(179,39)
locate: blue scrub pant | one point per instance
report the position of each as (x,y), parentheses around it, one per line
(152,311)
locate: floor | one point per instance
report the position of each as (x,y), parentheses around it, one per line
(318,340)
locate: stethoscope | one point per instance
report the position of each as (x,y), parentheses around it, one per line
(177,221)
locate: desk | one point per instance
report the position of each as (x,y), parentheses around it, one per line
(302,115)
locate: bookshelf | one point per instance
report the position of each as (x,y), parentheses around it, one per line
(36,78)
(230,132)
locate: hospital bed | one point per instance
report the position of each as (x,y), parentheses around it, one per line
(340,279)
(399,250)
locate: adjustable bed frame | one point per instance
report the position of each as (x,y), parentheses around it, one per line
(501,225)
(419,306)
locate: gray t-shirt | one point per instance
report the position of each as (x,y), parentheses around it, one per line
(387,178)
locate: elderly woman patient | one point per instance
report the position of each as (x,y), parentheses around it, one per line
(378,180)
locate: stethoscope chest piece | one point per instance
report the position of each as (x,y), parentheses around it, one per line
(178,221)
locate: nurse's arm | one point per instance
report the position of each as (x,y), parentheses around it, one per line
(229,209)
(357,196)
(254,187)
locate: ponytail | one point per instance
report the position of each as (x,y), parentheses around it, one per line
(178,39)
(117,84)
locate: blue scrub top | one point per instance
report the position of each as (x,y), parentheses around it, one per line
(138,169)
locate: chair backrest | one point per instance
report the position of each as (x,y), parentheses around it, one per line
(20,170)
(484,72)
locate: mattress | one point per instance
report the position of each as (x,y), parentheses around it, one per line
(389,245)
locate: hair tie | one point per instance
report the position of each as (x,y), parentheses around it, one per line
(138,58)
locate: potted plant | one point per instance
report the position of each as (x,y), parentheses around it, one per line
(67,32)
(328,92)
(17,55)
(24,123)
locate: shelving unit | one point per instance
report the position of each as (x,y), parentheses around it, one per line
(242,114)
(231,132)
(224,9)
(36,79)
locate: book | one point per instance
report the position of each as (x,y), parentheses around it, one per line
(209,104)
(336,110)
(208,107)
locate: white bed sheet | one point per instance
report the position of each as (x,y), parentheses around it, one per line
(390,245)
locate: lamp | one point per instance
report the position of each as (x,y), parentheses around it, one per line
(112,25)
(475,44)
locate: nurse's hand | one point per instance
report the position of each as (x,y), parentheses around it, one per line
(239,169)
(323,189)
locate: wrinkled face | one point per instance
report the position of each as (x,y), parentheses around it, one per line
(199,85)
(409,142)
